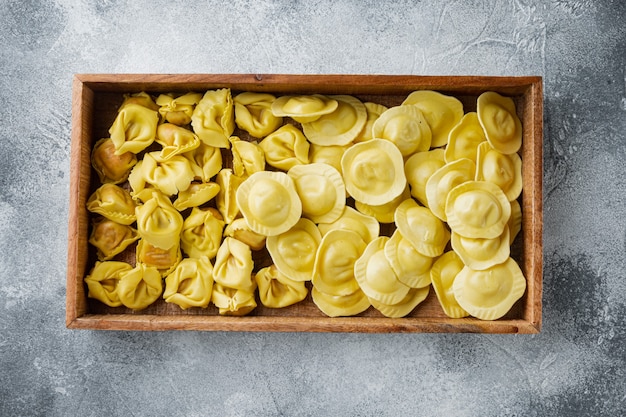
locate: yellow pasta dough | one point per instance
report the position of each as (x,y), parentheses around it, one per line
(276,290)
(503,170)
(169,176)
(269,202)
(225,200)
(158,222)
(175,140)
(373,171)
(196,195)
(330,155)
(233,302)
(190,284)
(253,113)
(178,110)
(139,287)
(240,230)
(285,148)
(248,157)
(111,167)
(418,168)
(233,265)
(464,138)
(442,275)
(445,179)
(427,233)
(411,267)
(111,238)
(134,128)
(113,202)
(515,221)
(480,254)
(102,281)
(477,209)
(500,122)
(321,191)
(375,276)
(412,299)
(489,294)
(404,126)
(213,118)
(367,227)
(205,162)
(385,212)
(201,233)
(374,110)
(442,113)
(339,127)
(164,260)
(293,251)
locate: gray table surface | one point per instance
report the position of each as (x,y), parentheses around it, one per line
(575,366)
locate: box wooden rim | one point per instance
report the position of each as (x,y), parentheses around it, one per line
(86,85)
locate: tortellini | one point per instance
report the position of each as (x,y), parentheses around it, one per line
(139,287)
(158,222)
(103,279)
(111,238)
(113,202)
(190,284)
(201,233)
(169,176)
(232,301)
(178,110)
(175,140)
(233,265)
(253,113)
(276,290)
(134,128)
(213,118)
(111,167)
(164,260)
(285,148)
(248,157)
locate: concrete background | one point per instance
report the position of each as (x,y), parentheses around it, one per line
(575,367)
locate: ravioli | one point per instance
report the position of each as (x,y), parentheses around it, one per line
(442,275)
(269,202)
(321,191)
(445,179)
(303,108)
(503,170)
(489,294)
(373,171)
(477,209)
(385,212)
(498,117)
(405,127)
(479,253)
(412,299)
(367,227)
(374,110)
(293,251)
(464,138)
(375,276)
(411,267)
(442,113)
(426,233)
(339,127)
(418,168)
(340,305)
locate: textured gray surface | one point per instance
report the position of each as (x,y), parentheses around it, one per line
(576,366)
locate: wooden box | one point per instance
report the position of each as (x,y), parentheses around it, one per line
(95,101)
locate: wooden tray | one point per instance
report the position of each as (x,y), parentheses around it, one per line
(95,100)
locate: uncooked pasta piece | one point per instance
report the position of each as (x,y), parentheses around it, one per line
(293,252)
(404,126)
(142,98)
(515,221)
(340,305)
(321,191)
(233,302)
(442,275)
(164,260)
(111,167)
(178,109)
(158,222)
(213,118)
(225,200)
(445,179)
(367,227)
(233,265)
(427,233)
(196,195)
(175,140)
(419,168)
(253,113)
(464,138)
(113,202)
(385,212)
(285,147)
(248,157)
(374,110)
(480,254)
(477,209)
(269,202)
(412,299)
(205,162)
(201,233)
(240,230)
(139,287)
(498,117)
(134,128)
(111,238)
(276,290)
(373,171)
(503,170)
(442,113)
(168,176)
(303,108)
(190,284)
(341,126)
(489,294)
(330,155)
(411,267)
(102,281)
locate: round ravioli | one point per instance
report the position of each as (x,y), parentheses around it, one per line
(293,251)
(501,169)
(445,179)
(330,155)
(442,113)
(480,254)
(477,209)
(411,267)
(269,202)
(321,191)
(340,305)
(428,234)
(373,171)
(498,117)
(367,227)
(385,212)
(489,294)
(464,138)
(374,110)
(419,168)
(333,271)
(339,127)
(404,126)
(303,108)
(412,299)
(442,275)
(375,275)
